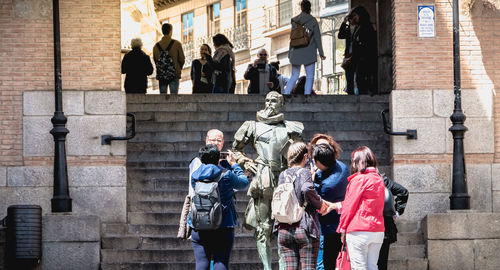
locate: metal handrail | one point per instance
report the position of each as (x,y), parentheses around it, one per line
(410,134)
(106,139)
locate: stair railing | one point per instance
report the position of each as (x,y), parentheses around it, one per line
(106,139)
(411,134)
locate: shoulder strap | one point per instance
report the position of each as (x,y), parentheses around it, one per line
(159,47)
(170,45)
(222,174)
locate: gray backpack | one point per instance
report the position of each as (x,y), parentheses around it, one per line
(206,205)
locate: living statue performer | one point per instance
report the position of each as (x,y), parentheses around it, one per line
(270,136)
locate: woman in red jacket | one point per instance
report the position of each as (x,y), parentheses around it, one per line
(362,219)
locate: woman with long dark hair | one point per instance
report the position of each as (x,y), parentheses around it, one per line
(222,64)
(364,51)
(201,73)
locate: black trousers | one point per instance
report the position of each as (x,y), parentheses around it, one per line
(383,256)
(331,248)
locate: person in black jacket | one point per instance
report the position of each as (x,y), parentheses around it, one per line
(222,64)
(137,66)
(262,75)
(392,209)
(364,51)
(201,73)
(345,32)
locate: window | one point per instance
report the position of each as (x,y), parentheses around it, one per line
(241,14)
(214,19)
(285,12)
(187,27)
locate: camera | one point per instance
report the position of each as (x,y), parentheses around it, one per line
(223,155)
(261,65)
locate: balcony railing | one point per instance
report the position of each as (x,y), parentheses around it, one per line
(281,14)
(239,36)
(189,54)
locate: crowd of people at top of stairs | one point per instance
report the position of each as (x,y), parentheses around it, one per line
(216,73)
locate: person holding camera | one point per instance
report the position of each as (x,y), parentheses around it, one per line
(263,77)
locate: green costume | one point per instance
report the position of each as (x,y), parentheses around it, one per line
(270,136)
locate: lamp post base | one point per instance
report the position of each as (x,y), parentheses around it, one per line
(459,201)
(60,205)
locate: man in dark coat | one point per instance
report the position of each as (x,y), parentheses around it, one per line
(263,76)
(137,66)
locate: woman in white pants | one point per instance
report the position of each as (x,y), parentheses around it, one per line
(305,55)
(361,211)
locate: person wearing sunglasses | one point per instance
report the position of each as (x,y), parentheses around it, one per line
(263,76)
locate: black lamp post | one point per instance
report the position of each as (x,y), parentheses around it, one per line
(459,198)
(61,202)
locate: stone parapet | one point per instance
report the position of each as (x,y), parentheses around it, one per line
(95,190)
(70,242)
(462,240)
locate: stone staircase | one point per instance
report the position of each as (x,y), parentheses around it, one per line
(171,129)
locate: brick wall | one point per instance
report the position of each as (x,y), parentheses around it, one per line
(90,44)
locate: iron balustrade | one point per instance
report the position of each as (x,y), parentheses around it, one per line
(189,54)
(106,139)
(239,37)
(336,83)
(411,134)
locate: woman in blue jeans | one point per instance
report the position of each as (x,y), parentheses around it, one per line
(305,55)
(217,244)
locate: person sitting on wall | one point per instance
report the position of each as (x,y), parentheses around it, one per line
(282,79)
(263,76)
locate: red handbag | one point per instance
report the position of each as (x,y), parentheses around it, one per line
(343,260)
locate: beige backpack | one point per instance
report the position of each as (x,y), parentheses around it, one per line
(285,206)
(300,36)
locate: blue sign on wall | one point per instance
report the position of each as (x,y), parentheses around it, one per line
(426,21)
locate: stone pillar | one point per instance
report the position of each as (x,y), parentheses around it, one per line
(462,240)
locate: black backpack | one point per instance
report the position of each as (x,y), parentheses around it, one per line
(165,68)
(206,205)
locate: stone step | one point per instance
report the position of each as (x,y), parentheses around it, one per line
(117,230)
(174,205)
(237,116)
(239,99)
(171,255)
(161,218)
(204,126)
(156,172)
(408,264)
(195,137)
(249,265)
(401,252)
(321,106)
(165,242)
(187,156)
(157,195)
(410,238)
